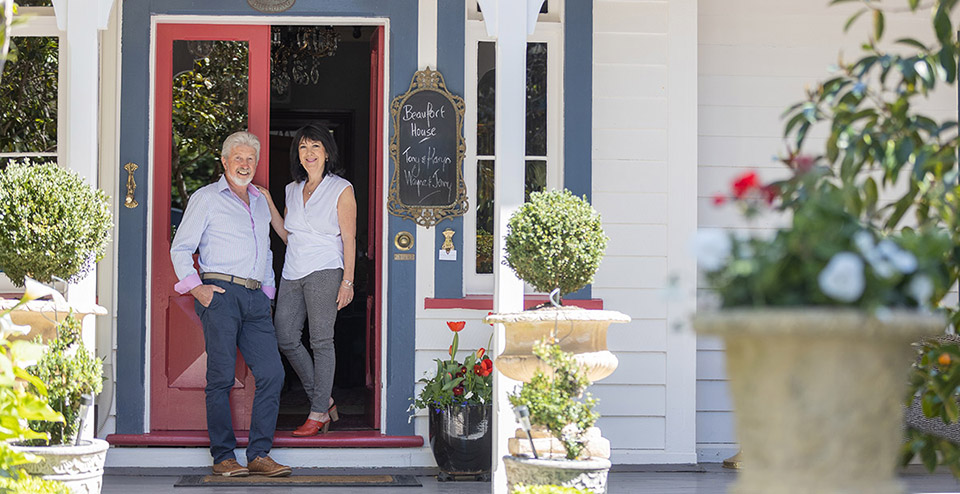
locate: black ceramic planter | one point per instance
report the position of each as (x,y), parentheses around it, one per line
(461,438)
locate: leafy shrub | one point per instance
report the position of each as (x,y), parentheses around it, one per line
(69,371)
(52,223)
(546,489)
(555,240)
(25,484)
(558,401)
(18,403)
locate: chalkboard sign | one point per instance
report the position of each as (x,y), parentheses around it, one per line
(427,149)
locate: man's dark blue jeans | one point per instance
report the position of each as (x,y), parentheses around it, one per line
(240,317)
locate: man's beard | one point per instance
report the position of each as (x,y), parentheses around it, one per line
(240,181)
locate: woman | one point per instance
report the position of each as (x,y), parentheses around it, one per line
(319,227)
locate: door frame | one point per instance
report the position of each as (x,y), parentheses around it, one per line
(155,20)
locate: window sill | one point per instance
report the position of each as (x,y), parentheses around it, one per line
(485,302)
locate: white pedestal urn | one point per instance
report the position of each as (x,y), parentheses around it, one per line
(79,467)
(589,474)
(579,331)
(818,395)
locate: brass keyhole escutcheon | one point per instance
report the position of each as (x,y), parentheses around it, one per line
(403,241)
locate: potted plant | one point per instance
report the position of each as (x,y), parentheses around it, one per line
(53,225)
(22,398)
(556,402)
(555,243)
(458,400)
(71,376)
(818,318)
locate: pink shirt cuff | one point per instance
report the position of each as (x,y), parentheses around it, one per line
(188,283)
(269,290)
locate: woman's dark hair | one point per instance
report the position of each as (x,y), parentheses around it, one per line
(314,132)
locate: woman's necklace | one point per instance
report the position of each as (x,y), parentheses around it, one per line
(309,192)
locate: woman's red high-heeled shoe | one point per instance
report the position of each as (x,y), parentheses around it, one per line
(312,427)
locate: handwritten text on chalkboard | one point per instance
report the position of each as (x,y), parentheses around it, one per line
(427,150)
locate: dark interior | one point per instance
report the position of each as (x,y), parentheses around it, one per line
(338,95)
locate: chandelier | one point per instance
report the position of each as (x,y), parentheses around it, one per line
(296,52)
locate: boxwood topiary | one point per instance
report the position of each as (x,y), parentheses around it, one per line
(555,240)
(52,223)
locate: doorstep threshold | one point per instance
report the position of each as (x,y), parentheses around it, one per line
(282,439)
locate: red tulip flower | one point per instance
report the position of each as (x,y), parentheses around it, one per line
(456,326)
(480,353)
(486,367)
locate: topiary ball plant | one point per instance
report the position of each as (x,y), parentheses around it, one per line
(52,223)
(555,240)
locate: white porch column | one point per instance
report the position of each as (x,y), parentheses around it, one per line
(79,146)
(510,22)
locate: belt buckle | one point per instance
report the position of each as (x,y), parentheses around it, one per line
(251,284)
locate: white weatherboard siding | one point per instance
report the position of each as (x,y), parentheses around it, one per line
(755,59)
(644,145)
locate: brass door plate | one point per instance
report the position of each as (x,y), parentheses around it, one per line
(403,241)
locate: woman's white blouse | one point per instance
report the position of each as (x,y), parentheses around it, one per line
(313,240)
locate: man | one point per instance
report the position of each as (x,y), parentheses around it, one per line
(229,221)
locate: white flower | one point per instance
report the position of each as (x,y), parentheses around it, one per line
(712,248)
(34,290)
(883,269)
(904,261)
(864,241)
(842,279)
(8,327)
(921,289)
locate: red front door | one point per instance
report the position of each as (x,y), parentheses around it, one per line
(211,80)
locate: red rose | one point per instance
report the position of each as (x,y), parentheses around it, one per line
(744,183)
(456,326)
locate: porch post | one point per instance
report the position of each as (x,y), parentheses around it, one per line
(510,22)
(79,146)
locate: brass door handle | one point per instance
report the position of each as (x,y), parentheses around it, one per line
(130,202)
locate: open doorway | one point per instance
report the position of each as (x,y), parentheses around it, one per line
(324,74)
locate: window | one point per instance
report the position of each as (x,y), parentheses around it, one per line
(543,132)
(29,90)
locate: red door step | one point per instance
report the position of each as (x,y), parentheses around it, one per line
(282,439)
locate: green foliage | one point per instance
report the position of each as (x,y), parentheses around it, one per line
(210,103)
(25,484)
(22,398)
(456,383)
(878,144)
(555,240)
(546,489)
(800,266)
(51,223)
(69,371)
(28,96)
(557,400)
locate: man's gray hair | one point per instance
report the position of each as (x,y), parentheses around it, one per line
(242,138)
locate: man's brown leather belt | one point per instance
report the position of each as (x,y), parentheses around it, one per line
(244,282)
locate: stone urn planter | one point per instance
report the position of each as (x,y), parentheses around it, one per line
(588,474)
(461,438)
(580,331)
(818,395)
(79,467)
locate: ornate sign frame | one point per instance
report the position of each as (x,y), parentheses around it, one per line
(427,80)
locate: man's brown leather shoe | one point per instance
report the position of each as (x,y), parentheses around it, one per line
(264,465)
(230,468)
